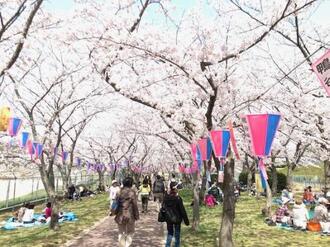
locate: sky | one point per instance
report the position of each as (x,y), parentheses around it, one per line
(320,15)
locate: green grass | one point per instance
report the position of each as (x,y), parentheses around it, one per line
(89,210)
(307,171)
(249,227)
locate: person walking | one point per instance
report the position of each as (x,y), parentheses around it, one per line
(158,191)
(127,213)
(113,191)
(173,204)
(144,192)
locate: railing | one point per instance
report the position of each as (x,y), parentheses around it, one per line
(15,191)
(314,181)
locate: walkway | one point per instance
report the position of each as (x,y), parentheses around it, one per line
(148,232)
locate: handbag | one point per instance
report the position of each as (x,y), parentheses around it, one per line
(162,214)
(168,214)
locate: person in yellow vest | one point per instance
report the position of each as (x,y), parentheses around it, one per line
(144,192)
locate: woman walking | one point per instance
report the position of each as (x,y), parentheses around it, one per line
(127,213)
(145,192)
(174,206)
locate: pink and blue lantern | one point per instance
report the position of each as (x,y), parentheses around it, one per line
(25,138)
(205,148)
(262,130)
(14,126)
(38,151)
(34,148)
(220,141)
(64,156)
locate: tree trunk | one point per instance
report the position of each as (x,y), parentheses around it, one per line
(228,214)
(269,200)
(196,219)
(55,210)
(289,174)
(249,181)
(274,178)
(326,173)
(101,186)
(203,187)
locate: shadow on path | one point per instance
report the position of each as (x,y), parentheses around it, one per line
(148,232)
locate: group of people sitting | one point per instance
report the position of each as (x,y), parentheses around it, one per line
(76,192)
(214,195)
(317,218)
(25,214)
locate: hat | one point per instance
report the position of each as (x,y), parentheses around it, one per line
(285,201)
(322,200)
(114,181)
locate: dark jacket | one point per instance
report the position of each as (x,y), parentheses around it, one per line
(174,202)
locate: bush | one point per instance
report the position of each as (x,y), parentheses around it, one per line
(242,178)
(281,179)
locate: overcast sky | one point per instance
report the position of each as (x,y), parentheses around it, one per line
(321,13)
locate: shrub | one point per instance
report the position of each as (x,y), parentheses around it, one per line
(281,179)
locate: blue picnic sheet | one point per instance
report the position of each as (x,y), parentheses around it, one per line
(10,225)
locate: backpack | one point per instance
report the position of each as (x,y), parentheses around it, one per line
(159,186)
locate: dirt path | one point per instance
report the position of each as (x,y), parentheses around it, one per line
(148,232)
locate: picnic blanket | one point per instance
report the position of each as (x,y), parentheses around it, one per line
(10,225)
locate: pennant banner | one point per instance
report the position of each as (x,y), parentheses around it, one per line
(322,69)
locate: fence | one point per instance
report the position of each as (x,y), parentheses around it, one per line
(14,191)
(314,181)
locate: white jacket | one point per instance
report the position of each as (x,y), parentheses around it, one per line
(300,215)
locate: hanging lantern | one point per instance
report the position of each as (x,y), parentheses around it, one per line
(262,130)
(220,141)
(38,151)
(4,118)
(29,147)
(14,126)
(64,156)
(205,148)
(25,138)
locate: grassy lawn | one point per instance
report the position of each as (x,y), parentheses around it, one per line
(308,171)
(89,210)
(249,228)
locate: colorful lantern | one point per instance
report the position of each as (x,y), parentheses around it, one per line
(262,130)
(64,156)
(34,148)
(205,148)
(38,151)
(14,126)
(220,141)
(29,147)
(78,160)
(25,138)
(4,118)
(233,139)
